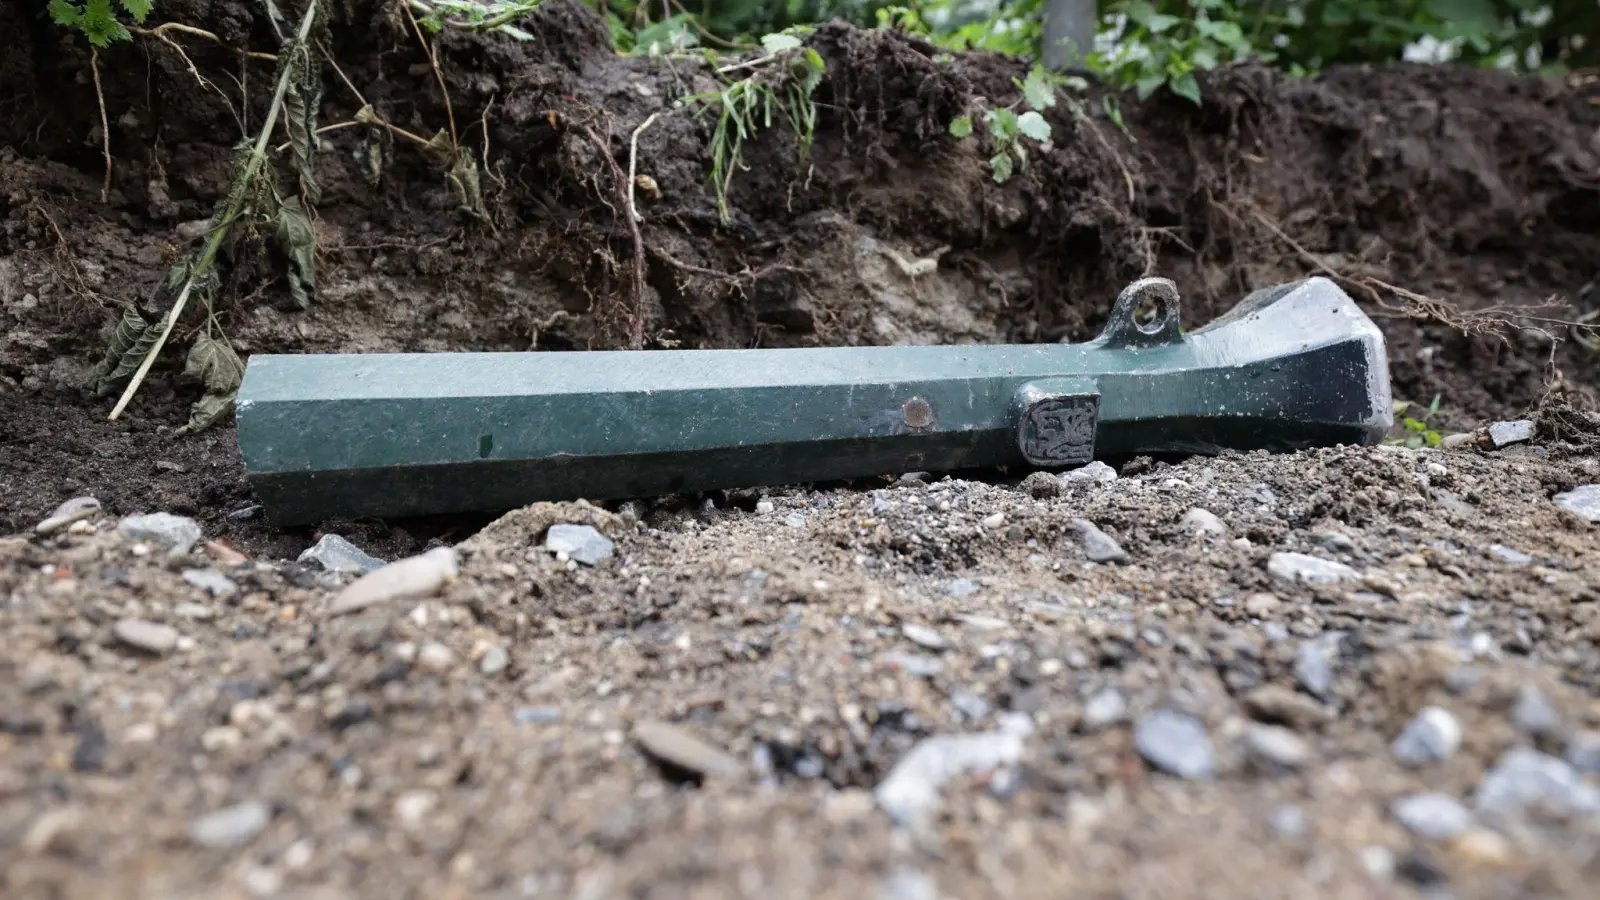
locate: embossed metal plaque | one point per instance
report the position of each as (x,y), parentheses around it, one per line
(1059,431)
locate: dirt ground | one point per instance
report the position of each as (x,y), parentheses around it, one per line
(813,654)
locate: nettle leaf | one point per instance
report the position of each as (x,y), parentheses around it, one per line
(1160,22)
(300,106)
(961,126)
(64,13)
(778,43)
(464,178)
(665,36)
(1147,85)
(130,330)
(1003,124)
(1038,90)
(813,65)
(99,24)
(439,148)
(1001,164)
(214,364)
(1139,12)
(298,241)
(135,350)
(138,9)
(218,367)
(1185,86)
(1033,125)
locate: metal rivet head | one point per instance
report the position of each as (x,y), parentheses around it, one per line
(917,412)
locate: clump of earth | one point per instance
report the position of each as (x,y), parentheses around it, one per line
(1351,671)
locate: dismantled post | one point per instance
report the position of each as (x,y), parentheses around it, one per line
(1293,366)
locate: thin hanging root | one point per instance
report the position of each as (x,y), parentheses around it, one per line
(376,119)
(395,130)
(433,60)
(161,31)
(218,234)
(624,194)
(105,126)
(177,48)
(633,160)
(1493,322)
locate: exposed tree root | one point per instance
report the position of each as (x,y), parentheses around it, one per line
(1474,322)
(633,161)
(748,276)
(105,126)
(623,188)
(161,32)
(433,60)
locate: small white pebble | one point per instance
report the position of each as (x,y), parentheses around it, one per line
(435,658)
(262,882)
(494,661)
(142,733)
(412,807)
(413,578)
(151,637)
(223,737)
(299,854)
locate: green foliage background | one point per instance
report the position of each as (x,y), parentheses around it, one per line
(1164,42)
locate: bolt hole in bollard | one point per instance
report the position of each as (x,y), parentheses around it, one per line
(1151,312)
(396,435)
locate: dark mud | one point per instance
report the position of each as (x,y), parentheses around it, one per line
(1471,187)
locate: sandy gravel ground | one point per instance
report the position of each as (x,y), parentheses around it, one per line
(1360,672)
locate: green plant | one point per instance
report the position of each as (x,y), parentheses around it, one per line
(1008,128)
(474,15)
(674,34)
(1540,35)
(256,206)
(97,20)
(902,18)
(1013,28)
(781,81)
(1301,36)
(1155,48)
(1420,432)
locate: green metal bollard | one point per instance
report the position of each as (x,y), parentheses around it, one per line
(394,435)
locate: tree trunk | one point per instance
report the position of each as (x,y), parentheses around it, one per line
(1069,29)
